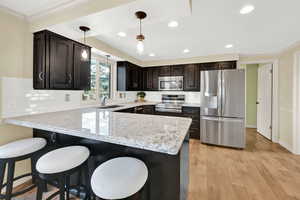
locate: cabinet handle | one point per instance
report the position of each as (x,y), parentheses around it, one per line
(70,78)
(41,76)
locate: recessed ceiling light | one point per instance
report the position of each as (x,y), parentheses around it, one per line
(122,34)
(173,24)
(247,9)
(186,51)
(151,54)
(228,46)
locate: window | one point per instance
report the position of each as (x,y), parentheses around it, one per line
(100,80)
(104,79)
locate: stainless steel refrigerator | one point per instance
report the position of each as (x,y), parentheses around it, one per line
(222,120)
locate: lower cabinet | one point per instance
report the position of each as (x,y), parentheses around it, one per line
(191,112)
(194,114)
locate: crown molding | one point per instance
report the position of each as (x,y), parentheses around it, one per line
(57,8)
(12,12)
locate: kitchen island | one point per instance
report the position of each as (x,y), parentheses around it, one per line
(160,141)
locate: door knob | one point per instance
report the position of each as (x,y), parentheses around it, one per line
(257,102)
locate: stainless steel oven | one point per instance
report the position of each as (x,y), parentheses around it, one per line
(171,83)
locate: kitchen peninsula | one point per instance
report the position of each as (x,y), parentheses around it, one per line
(160,141)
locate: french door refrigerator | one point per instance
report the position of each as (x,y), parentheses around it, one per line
(222,111)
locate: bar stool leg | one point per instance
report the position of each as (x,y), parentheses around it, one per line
(33,170)
(87,181)
(39,193)
(10,179)
(68,187)
(2,174)
(62,184)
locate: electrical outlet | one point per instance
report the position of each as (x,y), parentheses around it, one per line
(67,97)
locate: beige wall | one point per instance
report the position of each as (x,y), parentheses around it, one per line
(15,61)
(286,63)
(251,94)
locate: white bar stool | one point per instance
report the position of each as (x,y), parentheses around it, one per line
(16,151)
(58,165)
(119,178)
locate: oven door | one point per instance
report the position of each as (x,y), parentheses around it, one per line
(171,83)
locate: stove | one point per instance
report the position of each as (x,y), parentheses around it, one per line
(170,103)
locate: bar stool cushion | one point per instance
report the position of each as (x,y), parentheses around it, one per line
(119,178)
(62,159)
(21,147)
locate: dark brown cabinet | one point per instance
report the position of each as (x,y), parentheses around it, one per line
(191,77)
(39,61)
(61,63)
(218,65)
(194,114)
(177,70)
(129,77)
(165,71)
(82,72)
(151,75)
(132,77)
(58,63)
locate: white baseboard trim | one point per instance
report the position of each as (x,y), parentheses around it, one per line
(250,126)
(286,146)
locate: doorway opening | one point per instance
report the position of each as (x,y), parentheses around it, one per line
(259,98)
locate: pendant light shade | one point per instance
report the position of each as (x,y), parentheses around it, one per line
(140,38)
(84,53)
(140,47)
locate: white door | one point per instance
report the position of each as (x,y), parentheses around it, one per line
(264,100)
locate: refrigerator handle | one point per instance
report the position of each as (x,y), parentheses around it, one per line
(219,96)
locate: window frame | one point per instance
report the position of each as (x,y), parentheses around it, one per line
(99,60)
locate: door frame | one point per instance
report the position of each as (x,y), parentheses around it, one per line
(296,104)
(275,97)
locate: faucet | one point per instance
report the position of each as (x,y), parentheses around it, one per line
(103,100)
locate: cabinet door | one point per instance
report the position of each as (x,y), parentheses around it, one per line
(149,78)
(227,65)
(191,77)
(82,68)
(209,66)
(177,70)
(61,63)
(39,61)
(155,76)
(134,77)
(165,71)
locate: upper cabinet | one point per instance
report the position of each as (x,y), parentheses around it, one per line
(133,78)
(165,71)
(58,63)
(191,77)
(150,78)
(218,65)
(177,70)
(129,77)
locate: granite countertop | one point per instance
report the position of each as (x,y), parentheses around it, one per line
(150,132)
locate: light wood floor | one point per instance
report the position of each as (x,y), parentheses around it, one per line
(262,171)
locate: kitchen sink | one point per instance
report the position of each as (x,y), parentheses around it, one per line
(109,107)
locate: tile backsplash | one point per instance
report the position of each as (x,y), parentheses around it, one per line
(190,97)
(19,98)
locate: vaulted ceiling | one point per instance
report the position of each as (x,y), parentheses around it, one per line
(205,26)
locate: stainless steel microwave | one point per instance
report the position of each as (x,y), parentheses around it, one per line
(168,83)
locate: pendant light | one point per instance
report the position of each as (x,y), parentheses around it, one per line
(84,53)
(140,45)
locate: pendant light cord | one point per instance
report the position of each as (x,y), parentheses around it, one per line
(140,27)
(84,37)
